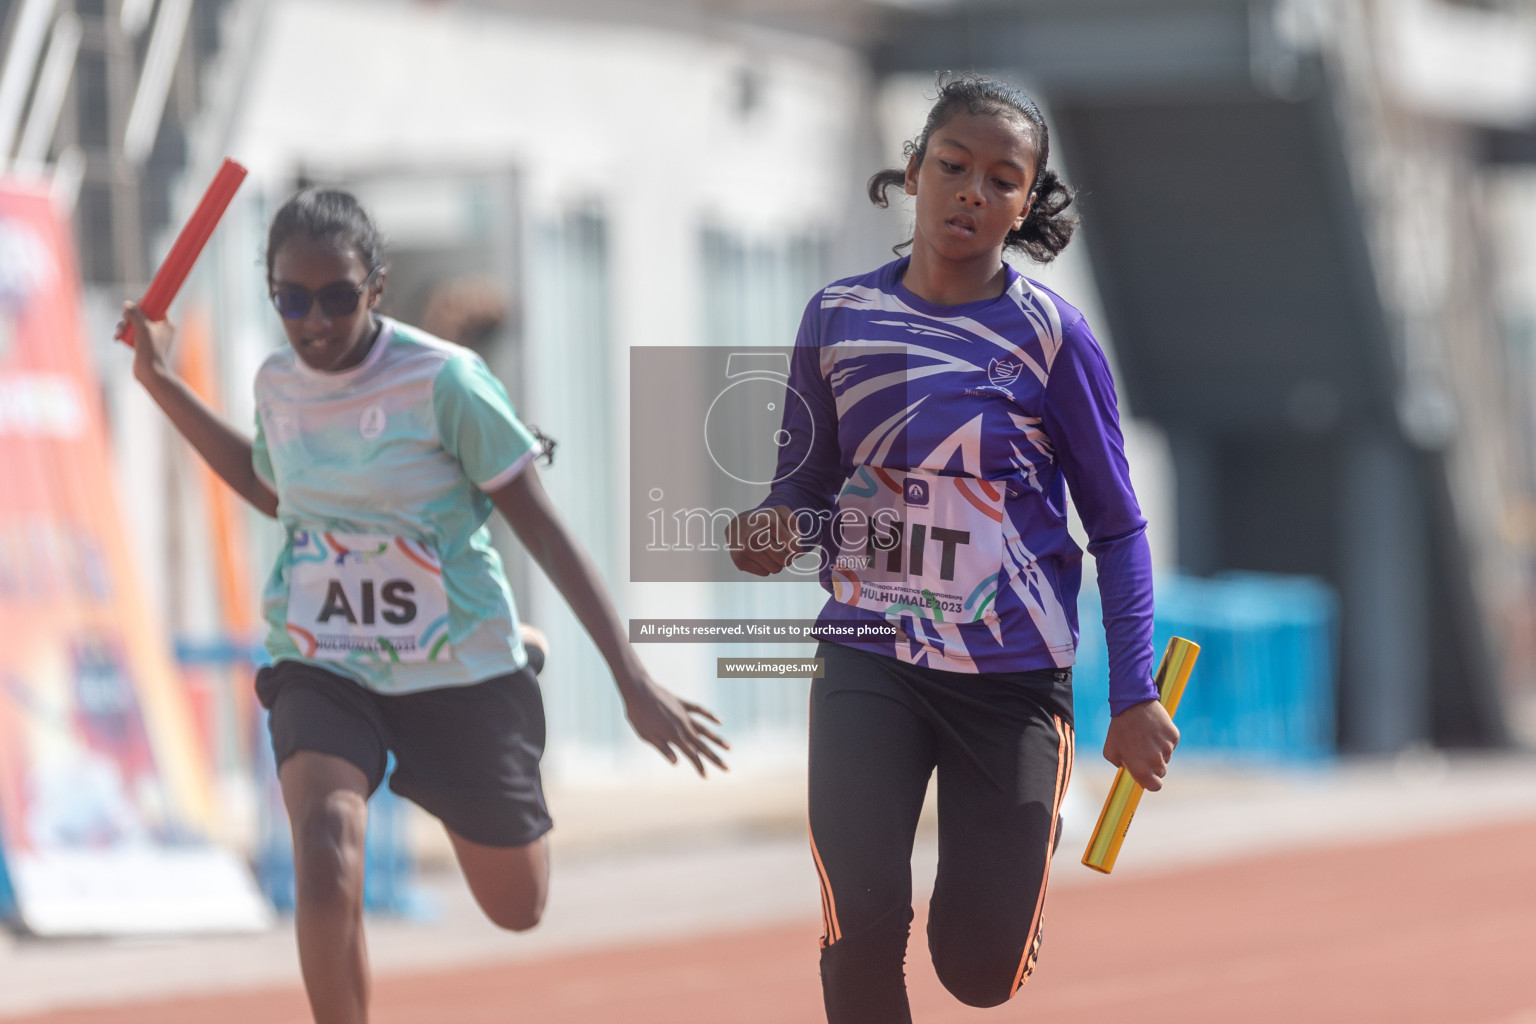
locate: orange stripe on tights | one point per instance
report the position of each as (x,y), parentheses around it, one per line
(833,931)
(1063,774)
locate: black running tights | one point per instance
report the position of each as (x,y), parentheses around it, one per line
(1002,746)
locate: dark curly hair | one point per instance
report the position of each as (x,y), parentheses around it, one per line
(1048,228)
(329,215)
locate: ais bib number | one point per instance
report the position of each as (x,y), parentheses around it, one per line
(366,596)
(918,543)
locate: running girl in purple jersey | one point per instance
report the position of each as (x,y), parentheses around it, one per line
(950,405)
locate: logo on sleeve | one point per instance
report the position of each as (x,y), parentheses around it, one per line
(372,423)
(916,492)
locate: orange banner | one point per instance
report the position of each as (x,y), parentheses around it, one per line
(97,745)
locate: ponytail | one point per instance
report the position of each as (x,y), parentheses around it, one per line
(1048,227)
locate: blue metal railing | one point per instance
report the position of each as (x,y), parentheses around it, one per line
(1264,687)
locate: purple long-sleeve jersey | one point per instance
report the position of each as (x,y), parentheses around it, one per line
(1013,397)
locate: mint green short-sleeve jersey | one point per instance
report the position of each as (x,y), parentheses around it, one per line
(406,445)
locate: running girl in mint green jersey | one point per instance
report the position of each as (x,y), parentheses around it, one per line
(383,450)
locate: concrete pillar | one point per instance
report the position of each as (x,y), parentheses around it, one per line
(1198,499)
(1385,595)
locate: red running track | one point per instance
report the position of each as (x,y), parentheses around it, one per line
(1439,929)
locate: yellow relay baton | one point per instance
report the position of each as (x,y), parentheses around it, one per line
(1115,819)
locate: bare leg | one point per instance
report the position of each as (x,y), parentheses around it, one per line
(327,800)
(510,883)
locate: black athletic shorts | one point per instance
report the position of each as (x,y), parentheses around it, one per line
(469,755)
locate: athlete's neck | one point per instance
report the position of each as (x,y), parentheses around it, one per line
(951,282)
(363,347)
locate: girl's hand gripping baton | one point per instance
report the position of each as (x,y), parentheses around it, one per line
(178,262)
(1172,673)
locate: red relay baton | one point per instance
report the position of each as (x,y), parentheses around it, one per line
(189,244)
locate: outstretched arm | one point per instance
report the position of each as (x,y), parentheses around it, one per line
(226,450)
(659,717)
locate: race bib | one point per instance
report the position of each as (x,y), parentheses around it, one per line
(366,596)
(918,543)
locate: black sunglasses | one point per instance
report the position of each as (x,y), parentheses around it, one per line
(337,299)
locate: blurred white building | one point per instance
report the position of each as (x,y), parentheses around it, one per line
(617,173)
(590,177)
(648,177)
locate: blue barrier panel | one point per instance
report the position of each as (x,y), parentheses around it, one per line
(219,651)
(8,909)
(1264,685)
